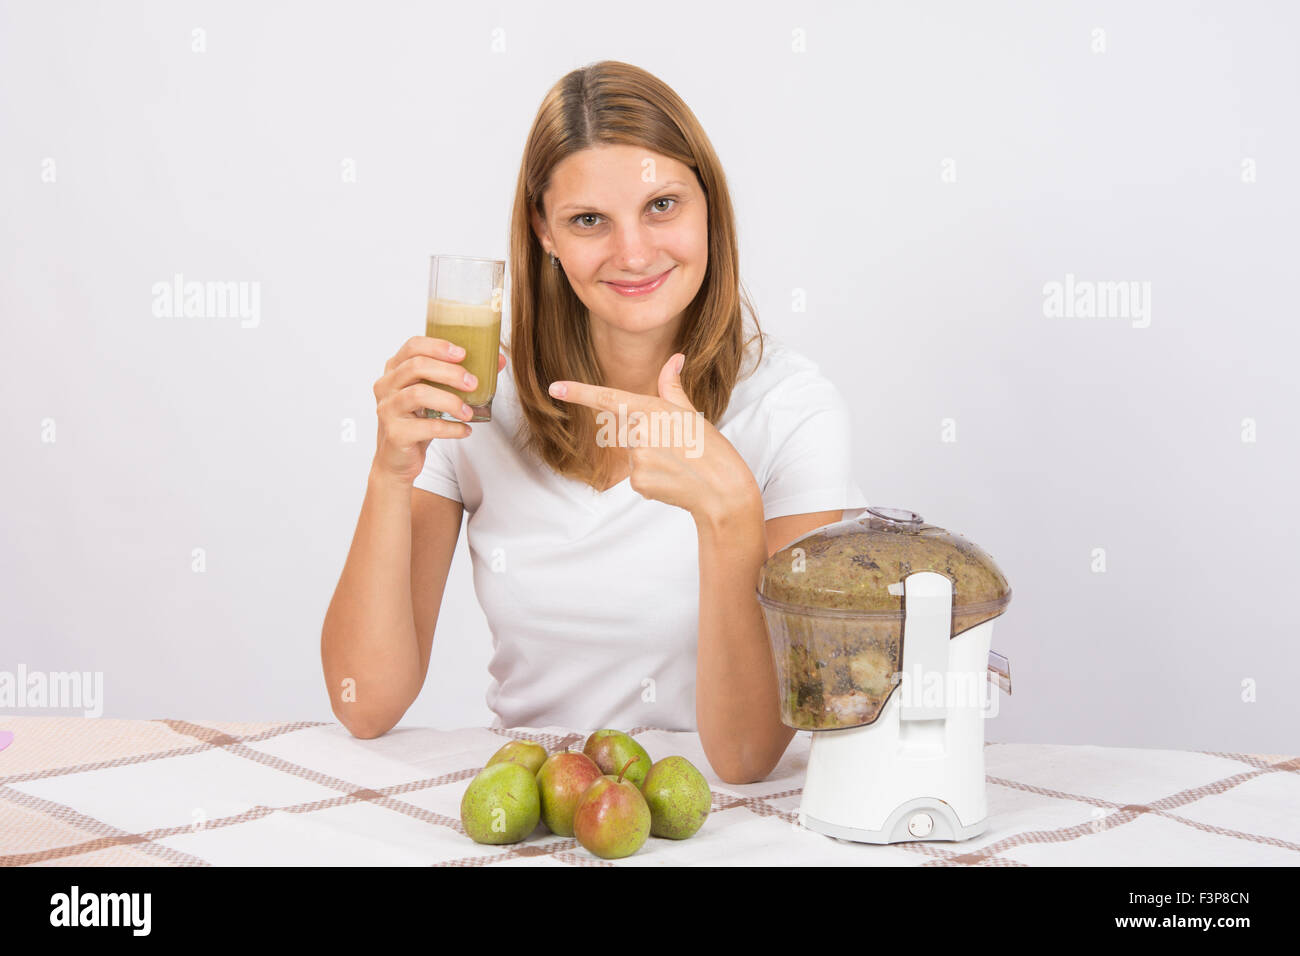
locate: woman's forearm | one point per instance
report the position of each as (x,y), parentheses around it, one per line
(735,690)
(369,650)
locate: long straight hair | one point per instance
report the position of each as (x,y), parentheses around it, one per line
(614,103)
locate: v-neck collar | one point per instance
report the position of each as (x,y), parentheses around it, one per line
(593,500)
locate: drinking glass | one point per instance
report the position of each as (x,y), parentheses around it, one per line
(465,309)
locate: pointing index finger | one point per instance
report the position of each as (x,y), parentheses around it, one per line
(596,396)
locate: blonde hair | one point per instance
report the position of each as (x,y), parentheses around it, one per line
(613,103)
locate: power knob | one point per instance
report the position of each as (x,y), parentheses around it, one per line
(921,825)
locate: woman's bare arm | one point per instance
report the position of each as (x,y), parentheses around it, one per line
(378,631)
(736,691)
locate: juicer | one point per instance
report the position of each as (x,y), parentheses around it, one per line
(880,628)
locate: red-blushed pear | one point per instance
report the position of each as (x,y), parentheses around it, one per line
(526,753)
(612,819)
(561,782)
(611,750)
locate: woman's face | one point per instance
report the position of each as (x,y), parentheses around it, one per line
(617,213)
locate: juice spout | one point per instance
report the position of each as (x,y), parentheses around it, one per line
(1000,671)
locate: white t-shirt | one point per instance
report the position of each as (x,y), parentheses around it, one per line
(592,597)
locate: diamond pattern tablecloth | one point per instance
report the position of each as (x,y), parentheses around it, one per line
(77,791)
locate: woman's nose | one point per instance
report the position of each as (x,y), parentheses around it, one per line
(632,245)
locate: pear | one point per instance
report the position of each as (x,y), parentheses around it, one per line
(561,782)
(678,797)
(528,753)
(612,819)
(501,804)
(612,749)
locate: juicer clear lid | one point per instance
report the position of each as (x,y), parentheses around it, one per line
(856,568)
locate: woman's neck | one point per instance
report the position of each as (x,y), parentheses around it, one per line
(633,360)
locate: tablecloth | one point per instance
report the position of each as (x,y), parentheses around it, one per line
(78,791)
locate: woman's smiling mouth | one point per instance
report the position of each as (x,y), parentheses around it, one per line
(645,288)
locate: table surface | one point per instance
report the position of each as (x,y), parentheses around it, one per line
(78,792)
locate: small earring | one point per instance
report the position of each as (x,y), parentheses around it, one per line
(555,263)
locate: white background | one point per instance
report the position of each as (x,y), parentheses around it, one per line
(924,303)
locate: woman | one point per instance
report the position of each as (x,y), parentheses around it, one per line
(618,577)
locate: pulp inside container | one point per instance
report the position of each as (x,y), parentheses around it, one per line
(832,672)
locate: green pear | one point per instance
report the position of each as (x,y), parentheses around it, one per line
(501,804)
(561,782)
(612,749)
(527,753)
(612,819)
(679,798)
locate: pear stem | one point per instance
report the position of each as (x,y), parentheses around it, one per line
(624,770)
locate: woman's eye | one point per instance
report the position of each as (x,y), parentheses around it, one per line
(577,220)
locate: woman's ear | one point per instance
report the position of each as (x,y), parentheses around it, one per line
(539,228)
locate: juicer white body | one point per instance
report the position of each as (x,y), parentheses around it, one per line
(917,771)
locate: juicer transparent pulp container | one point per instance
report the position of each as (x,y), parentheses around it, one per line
(833,602)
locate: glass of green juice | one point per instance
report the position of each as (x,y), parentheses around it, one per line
(465,309)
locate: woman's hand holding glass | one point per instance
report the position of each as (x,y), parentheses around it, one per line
(401,396)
